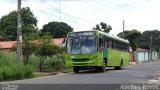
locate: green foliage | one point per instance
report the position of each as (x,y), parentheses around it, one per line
(7,58)
(103,27)
(131,36)
(49,63)
(1,76)
(126,33)
(34,61)
(28,71)
(7,72)
(144,40)
(16,71)
(29,46)
(58,64)
(56,29)
(8,24)
(45,49)
(45,46)
(11,69)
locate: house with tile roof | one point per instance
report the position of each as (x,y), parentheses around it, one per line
(10,44)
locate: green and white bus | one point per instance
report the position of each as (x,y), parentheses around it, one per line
(95,49)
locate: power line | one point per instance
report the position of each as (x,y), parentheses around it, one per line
(58,17)
(63,18)
(59,11)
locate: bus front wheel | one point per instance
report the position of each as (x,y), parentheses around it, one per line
(100,68)
(76,69)
(117,67)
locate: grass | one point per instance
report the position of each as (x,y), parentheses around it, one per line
(12,69)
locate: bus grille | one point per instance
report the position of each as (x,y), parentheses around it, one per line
(80,60)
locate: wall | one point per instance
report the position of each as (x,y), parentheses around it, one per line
(141,56)
(154,55)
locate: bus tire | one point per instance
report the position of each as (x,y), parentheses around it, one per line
(76,69)
(100,69)
(119,67)
(105,61)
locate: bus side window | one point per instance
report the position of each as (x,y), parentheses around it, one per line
(109,43)
(116,45)
(112,43)
(100,42)
(105,42)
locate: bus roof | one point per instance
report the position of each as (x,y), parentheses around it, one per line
(108,35)
(113,37)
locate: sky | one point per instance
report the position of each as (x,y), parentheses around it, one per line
(85,14)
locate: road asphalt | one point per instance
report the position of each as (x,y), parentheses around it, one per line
(142,73)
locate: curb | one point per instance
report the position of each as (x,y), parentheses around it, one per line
(132,63)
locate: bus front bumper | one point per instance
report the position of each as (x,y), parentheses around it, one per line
(89,63)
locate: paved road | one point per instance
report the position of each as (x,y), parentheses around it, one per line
(132,74)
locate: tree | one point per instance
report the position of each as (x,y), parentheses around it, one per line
(45,48)
(57,29)
(29,46)
(126,33)
(131,36)
(8,24)
(103,27)
(145,38)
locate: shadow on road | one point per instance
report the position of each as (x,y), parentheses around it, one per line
(92,71)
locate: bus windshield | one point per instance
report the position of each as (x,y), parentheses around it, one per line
(81,45)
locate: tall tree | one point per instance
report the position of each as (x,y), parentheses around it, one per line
(45,48)
(126,33)
(8,24)
(145,38)
(29,46)
(57,29)
(103,27)
(131,36)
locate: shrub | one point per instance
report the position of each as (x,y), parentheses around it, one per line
(7,58)
(7,72)
(1,77)
(28,71)
(58,64)
(18,71)
(34,60)
(11,69)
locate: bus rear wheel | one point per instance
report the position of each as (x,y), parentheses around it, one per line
(76,69)
(119,67)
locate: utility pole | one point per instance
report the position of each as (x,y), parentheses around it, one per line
(123,28)
(19,32)
(151,47)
